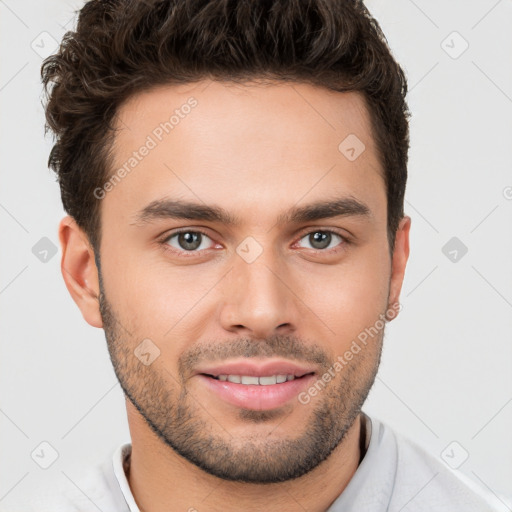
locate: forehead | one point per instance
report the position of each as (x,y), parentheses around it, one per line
(245,145)
(253,108)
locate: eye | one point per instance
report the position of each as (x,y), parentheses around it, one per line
(187,241)
(322,239)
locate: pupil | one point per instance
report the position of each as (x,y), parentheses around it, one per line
(189,240)
(321,238)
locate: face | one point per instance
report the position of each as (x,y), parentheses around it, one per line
(244,255)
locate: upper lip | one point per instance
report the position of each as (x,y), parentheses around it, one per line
(251,368)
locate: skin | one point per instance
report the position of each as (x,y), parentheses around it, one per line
(256,150)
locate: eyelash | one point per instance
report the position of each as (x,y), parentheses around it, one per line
(187,254)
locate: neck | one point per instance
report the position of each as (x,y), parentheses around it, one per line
(161,480)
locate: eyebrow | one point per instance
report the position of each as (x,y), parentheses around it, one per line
(179,209)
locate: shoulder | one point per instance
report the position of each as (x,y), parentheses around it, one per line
(424,482)
(95,489)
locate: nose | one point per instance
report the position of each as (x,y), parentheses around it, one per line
(259,299)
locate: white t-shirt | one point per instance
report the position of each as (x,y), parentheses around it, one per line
(395,475)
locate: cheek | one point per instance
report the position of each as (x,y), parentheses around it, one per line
(352,295)
(155,300)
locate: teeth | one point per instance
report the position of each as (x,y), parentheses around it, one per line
(251,379)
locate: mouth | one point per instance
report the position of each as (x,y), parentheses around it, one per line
(247,385)
(255,380)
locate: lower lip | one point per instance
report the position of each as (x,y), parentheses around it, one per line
(257,397)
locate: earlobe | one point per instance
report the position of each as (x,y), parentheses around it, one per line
(79,270)
(399,262)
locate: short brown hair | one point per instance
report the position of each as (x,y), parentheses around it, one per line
(122,47)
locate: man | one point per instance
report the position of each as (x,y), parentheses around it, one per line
(234,175)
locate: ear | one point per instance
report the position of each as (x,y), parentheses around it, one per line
(399,261)
(79,270)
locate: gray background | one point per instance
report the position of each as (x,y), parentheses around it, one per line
(446,375)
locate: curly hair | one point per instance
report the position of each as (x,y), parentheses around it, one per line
(122,47)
